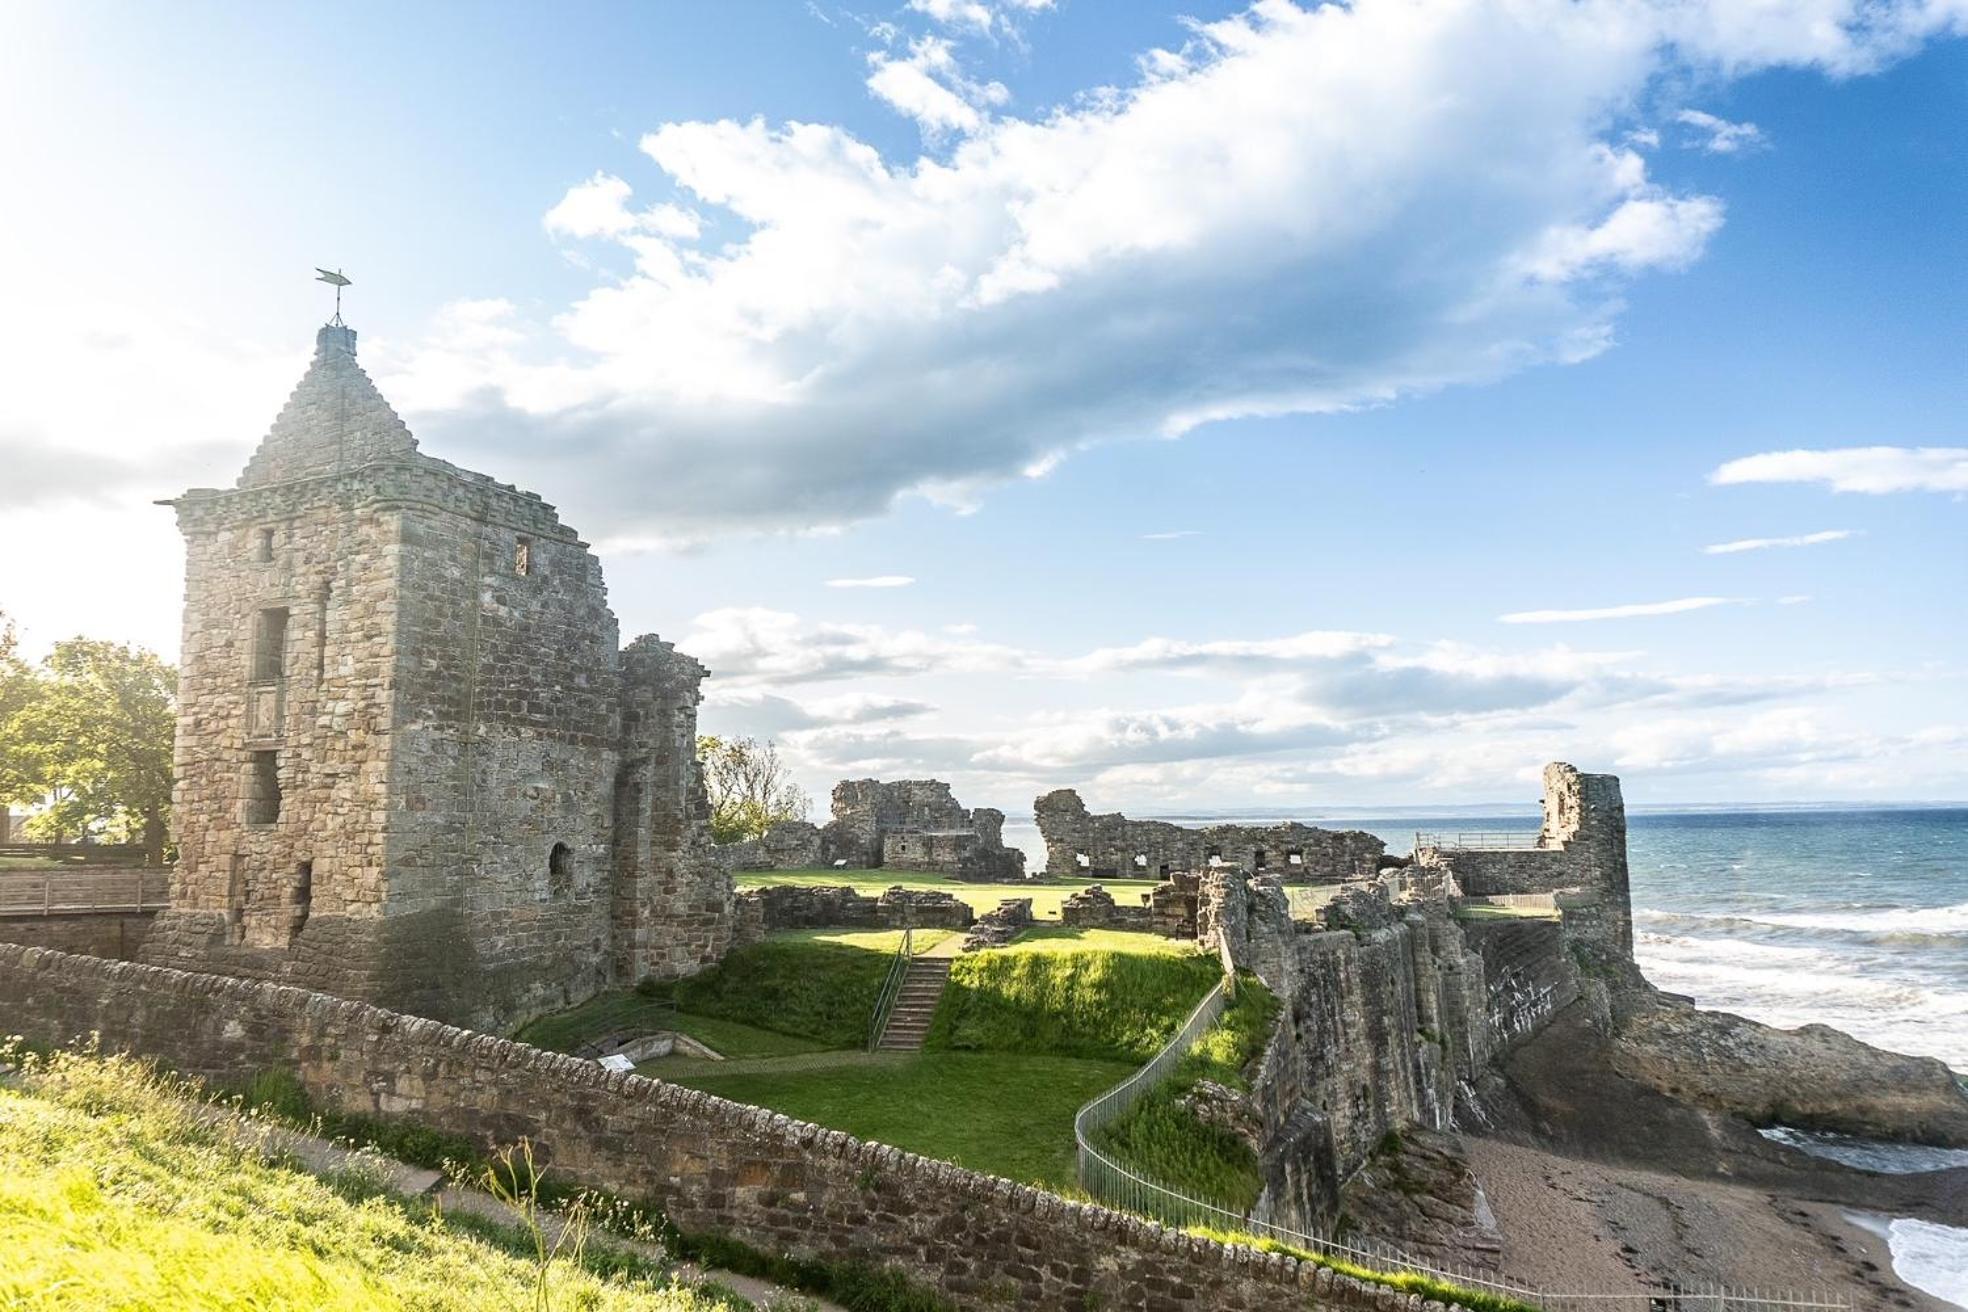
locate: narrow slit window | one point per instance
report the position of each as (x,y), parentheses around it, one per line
(263,552)
(523,557)
(321,635)
(300,899)
(270,645)
(263,788)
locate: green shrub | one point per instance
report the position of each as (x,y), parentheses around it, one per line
(1115,1006)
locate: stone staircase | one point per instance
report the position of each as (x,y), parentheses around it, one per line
(915,1003)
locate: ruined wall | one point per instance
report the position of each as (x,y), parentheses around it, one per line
(788,845)
(916,824)
(1582,846)
(712,1165)
(674,910)
(1082,845)
(800,906)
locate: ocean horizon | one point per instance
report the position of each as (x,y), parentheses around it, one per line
(1788,913)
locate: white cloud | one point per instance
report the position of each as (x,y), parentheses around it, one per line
(753,645)
(1765,544)
(1876,469)
(1794,599)
(1718,136)
(1172,535)
(1302,210)
(930,86)
(1633,611)
(599,208)
(878,581)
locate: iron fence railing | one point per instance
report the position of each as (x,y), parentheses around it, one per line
(1480,840)
(891,987)
(1111,1182)
(66,892)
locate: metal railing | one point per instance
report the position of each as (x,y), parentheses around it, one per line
(1481,840)
(891,988)
(68,892)
(1110,1182)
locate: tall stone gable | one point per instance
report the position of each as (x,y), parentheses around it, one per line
(414,765)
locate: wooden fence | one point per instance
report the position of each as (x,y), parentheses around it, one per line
(70,892)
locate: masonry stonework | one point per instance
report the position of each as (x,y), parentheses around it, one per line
(413,764)
(1081,845)
(917,824)
(713,1166)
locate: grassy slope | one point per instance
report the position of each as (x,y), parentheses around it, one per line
(1046,897)
(1161,1139)
(998,1113)
(1070,1002)
(118,1194)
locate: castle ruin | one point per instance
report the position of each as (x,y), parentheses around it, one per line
(1080,845)
(414,765)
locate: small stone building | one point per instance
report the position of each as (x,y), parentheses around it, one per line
(415,766)
(918,824)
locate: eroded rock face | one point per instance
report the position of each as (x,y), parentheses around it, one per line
(1815,1077)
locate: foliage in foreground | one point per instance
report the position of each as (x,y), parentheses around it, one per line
(1160,1138)
(122,1190)
(1112,1006)
(1407,1282)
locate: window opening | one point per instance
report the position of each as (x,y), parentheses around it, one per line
(270,645)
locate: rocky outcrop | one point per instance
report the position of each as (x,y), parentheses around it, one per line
(1815,1077)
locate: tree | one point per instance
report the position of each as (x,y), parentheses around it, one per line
(751,789)
(19,771)
(96,737)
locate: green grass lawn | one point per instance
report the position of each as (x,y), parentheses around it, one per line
(626,1010)
(1046,897)
(1055,938)
(885,941)
(121,1192)
(1002,1113)
(1067,1000)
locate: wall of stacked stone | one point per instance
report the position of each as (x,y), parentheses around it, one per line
(1582,847)
(117,935)
(788,845)
(484,810)
(917,824)
(1095,908)
(1082,845)
(799,906)
(711,1165)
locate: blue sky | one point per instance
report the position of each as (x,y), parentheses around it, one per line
(1218,403)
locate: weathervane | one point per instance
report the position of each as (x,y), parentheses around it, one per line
(338,282)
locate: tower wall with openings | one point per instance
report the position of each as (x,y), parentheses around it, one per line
(403,742)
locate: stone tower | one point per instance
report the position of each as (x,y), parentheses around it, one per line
(413,765)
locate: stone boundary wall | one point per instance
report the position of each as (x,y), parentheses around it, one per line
(839,906)
(710,1164)
(117,935)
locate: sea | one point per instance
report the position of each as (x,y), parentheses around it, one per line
(1853,918)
